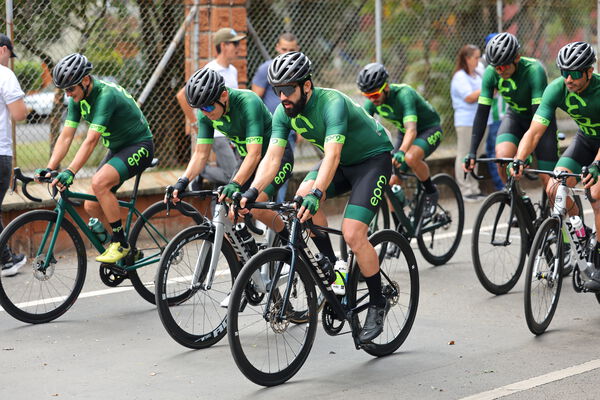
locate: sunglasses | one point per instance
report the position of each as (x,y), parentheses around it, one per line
(501,68)
(70,89)
(287,90)
(376,94)
(210,108)
(574,74)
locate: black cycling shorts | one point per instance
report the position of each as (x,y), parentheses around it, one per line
(581,152)
(130,160)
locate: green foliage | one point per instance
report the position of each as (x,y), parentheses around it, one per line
(29,74)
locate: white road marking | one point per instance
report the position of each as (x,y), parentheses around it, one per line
(536,381)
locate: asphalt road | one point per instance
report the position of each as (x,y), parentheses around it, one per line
(465,342)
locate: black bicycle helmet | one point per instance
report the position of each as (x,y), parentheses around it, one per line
(372,77)
(502,49)
(288,68)
(576,56)
(204,88)
(70,70)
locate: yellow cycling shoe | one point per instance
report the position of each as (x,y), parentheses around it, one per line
(113,254)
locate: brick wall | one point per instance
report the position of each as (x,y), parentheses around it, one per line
(213,15)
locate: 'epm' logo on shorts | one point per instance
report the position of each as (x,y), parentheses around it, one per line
(137,156)
(287,167)
(378,191)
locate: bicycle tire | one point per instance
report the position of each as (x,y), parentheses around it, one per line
(62,280)
(150,243)
(537,276)
(450,206)
(251,336)
(396,278)
(498,268)
(194,318)
(380,221)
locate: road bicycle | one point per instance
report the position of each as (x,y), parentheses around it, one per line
(503,232)
(267,346)
(52,279)
(197,270)
(438,236)
(545,267)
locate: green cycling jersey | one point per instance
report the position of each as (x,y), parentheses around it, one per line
(246,121)
(331,116)
(521,91)
(583,107)
(113,112)
(404,104)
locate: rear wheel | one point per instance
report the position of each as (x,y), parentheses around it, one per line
(498,245)
(543,277)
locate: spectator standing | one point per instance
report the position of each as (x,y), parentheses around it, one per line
(11,105)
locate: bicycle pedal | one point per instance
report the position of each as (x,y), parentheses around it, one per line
(115,268)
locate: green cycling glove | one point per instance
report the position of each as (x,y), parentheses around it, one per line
(231,188)
(66,177)
(399,156)
(311,203)
(594,171)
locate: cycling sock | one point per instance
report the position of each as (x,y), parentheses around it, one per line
(118,234)
(428,185)
(323,243)
(375,294)
(284,234)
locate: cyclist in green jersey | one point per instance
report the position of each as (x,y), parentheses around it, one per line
(115,120)
(577,92)
(244,119)
(521,82)
(417,121)
(356,157)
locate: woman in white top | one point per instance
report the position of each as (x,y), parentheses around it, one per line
(464,90)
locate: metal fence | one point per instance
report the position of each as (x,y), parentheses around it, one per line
(419,38)
(125,40)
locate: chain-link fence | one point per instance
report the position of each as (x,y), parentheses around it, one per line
(420,38)
(125,40)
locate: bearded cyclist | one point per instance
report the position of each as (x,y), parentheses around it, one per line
(243,118)
(521,82)
(577,92)
(114,119)
(356,157)
(417,121)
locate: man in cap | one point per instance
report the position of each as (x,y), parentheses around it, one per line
(11,105)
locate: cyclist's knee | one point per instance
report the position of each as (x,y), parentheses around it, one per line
(413,159)
(355,234)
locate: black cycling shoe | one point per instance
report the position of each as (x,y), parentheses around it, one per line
(594,283)
(430,203)
(373,323)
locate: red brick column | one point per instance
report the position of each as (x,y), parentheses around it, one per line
(212,16)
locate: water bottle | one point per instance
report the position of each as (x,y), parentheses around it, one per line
(96,226)
(399,194)
(246,238)
(529,207)
(578,227)
(325,267)
(341,275)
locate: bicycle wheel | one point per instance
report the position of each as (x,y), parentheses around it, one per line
(441,234)
(498,262)
(400,285)
(193,315)
(36,295)
(543,277)
(380,221)
(149,237)
(269,350)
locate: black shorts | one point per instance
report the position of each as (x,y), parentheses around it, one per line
(513,127)
(581,152)
(285,172)
(366,180)
(130,160)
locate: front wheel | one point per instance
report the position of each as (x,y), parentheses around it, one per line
(543,277)
(193,314)
(148,238)
(400,286)
(266,345)
(498,244)
(441,233)
(41,292)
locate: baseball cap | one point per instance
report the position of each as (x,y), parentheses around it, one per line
(227,35)
(5,41)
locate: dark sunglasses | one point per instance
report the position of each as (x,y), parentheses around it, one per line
(210,108)
(574,74)
(70,89)
(501,68)
(288,90)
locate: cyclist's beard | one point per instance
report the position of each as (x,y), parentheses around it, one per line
(297,107)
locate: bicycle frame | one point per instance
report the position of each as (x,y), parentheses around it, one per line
(559,211)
